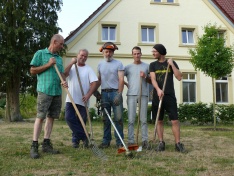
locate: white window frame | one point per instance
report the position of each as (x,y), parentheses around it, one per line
(188,80)
(156,34)
(187,33)
(108,24)
(165,2)
(194,30)
(223,80)
(148,34)
(109,27)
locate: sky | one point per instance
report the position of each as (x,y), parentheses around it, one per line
(75,12)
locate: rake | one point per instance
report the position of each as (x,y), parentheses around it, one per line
(151,142)
(128,153)
(97,152)
(136,146)
(86,107)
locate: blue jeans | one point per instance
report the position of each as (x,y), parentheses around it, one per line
(74,123)
(108,101)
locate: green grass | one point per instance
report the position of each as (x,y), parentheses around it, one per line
(210,153)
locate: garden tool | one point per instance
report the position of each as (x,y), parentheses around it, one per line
(136,146)
(87,111)
(159,109)
(99,153)
(128,153)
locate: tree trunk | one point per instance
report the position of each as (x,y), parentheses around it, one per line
(13,106)
(213,86)
(7,111)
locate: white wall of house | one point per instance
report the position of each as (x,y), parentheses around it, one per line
(130,15)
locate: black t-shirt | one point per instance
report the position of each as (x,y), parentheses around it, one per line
(160,68)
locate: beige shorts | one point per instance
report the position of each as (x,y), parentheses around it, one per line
(48,106)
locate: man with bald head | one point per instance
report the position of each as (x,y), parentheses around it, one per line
(49,99)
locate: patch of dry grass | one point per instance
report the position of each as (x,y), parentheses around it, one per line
(210,154)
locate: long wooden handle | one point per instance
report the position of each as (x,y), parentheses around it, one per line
(86,107)
(160,103)
(74,105)
(139,111)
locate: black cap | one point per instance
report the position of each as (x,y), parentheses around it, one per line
(160,48)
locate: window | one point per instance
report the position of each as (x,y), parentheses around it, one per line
(189,87)
(222,90)
(109,33)
(147,35)
(165,2)
(187,36)
(222,34)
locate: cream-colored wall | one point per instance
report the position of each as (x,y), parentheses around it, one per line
(129,14)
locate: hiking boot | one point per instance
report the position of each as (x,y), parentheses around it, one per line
(75,145)
(103,145)
(179,147)
(34,151)
(47,147)
(86,143)
(119,145)
(160,147)
(145,145)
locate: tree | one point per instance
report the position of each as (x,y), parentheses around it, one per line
(25,27)
(212,57)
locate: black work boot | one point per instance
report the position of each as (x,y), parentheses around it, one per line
(86,143)
(34,150)
(47,147)
(160,147)
(179,147)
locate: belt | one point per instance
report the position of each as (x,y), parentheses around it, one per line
(109,90)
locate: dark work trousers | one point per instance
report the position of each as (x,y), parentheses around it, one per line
(74,123)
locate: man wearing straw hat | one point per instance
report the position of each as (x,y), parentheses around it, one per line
(158,72)
(80,92)
(137,76)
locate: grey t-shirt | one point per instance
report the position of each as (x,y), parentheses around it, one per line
(132,72)
(109,73)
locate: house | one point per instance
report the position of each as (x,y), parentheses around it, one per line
(174,23)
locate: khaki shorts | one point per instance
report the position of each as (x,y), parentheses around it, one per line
(48,106)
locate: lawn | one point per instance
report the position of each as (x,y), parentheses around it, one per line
(210,153)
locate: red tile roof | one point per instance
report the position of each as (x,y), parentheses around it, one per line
(227,7)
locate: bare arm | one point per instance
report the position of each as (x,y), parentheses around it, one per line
(146,77)
(176,71)
(68,68)
(121,81)
(93,86)
(36,70)
(99,81)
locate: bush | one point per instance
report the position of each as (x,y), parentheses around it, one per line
(94,115)
(2,102)
(197,113)
(28,105)
(225,113)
